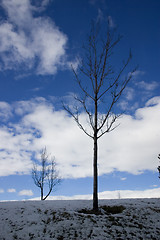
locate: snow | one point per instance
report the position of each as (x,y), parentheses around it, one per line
(63,219)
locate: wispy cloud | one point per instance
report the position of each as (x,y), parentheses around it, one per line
(40,6)
(11,190)
(111,23)
(144,89)
(24,40)
(5,111)
(123,178)
(137,73)
(126,103)
(1,190)
(92,2)
(147,86)
(26,192)
(100,16)
(36,89)
(129,93)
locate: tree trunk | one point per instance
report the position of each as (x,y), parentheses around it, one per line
(95,170)
(41,193)
(95,175)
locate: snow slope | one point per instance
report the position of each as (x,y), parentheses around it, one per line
(62,219)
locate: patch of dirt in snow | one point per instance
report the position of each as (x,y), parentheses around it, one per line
(74,220)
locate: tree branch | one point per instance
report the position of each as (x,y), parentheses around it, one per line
(116,80)
(80,85)
(76,118)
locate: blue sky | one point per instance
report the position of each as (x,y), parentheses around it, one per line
(39,41)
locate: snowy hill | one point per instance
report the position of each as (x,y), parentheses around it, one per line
(118,219)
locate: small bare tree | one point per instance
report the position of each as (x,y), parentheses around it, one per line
(45,174)
(101,87)
(159,166)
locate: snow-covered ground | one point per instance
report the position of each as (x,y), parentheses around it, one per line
(64,220)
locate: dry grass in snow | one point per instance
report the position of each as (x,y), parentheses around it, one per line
(74,220)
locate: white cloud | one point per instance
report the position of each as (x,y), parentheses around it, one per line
(153,101)
(26,39)
(147,86)
(137,73)
(144,88)
(40,6)
(26,192)
(148,193)
(14,151)
(124,104)
(5,111)
(11,190)
(21,8)
(123,179)
(133,147)
(1,190)
(129,93)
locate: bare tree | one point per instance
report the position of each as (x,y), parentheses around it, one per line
(100,87)
(45,174)
(159,166)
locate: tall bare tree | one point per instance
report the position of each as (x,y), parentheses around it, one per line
(45,174)
(100,87)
